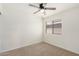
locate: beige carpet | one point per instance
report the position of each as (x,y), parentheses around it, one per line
(40,49)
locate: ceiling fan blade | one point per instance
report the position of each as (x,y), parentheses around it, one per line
(33,5)
(37,11)
(47,8)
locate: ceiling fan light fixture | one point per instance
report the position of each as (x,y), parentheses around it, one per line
(42,10)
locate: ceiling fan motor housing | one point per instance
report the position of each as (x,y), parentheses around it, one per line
(41,6)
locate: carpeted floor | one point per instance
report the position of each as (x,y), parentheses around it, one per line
(40,49)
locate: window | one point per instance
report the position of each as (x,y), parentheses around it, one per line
(49,27)
(54,27)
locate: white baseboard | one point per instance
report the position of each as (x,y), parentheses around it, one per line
(60,47)
(23,45)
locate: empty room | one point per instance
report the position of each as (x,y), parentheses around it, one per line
(39,29)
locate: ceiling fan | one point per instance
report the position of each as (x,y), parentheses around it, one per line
(42,6)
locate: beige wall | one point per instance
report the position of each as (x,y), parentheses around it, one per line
(1,27)
(19,26)
(70,30)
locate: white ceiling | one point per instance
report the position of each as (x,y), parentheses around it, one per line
(59,7)
(25,8)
